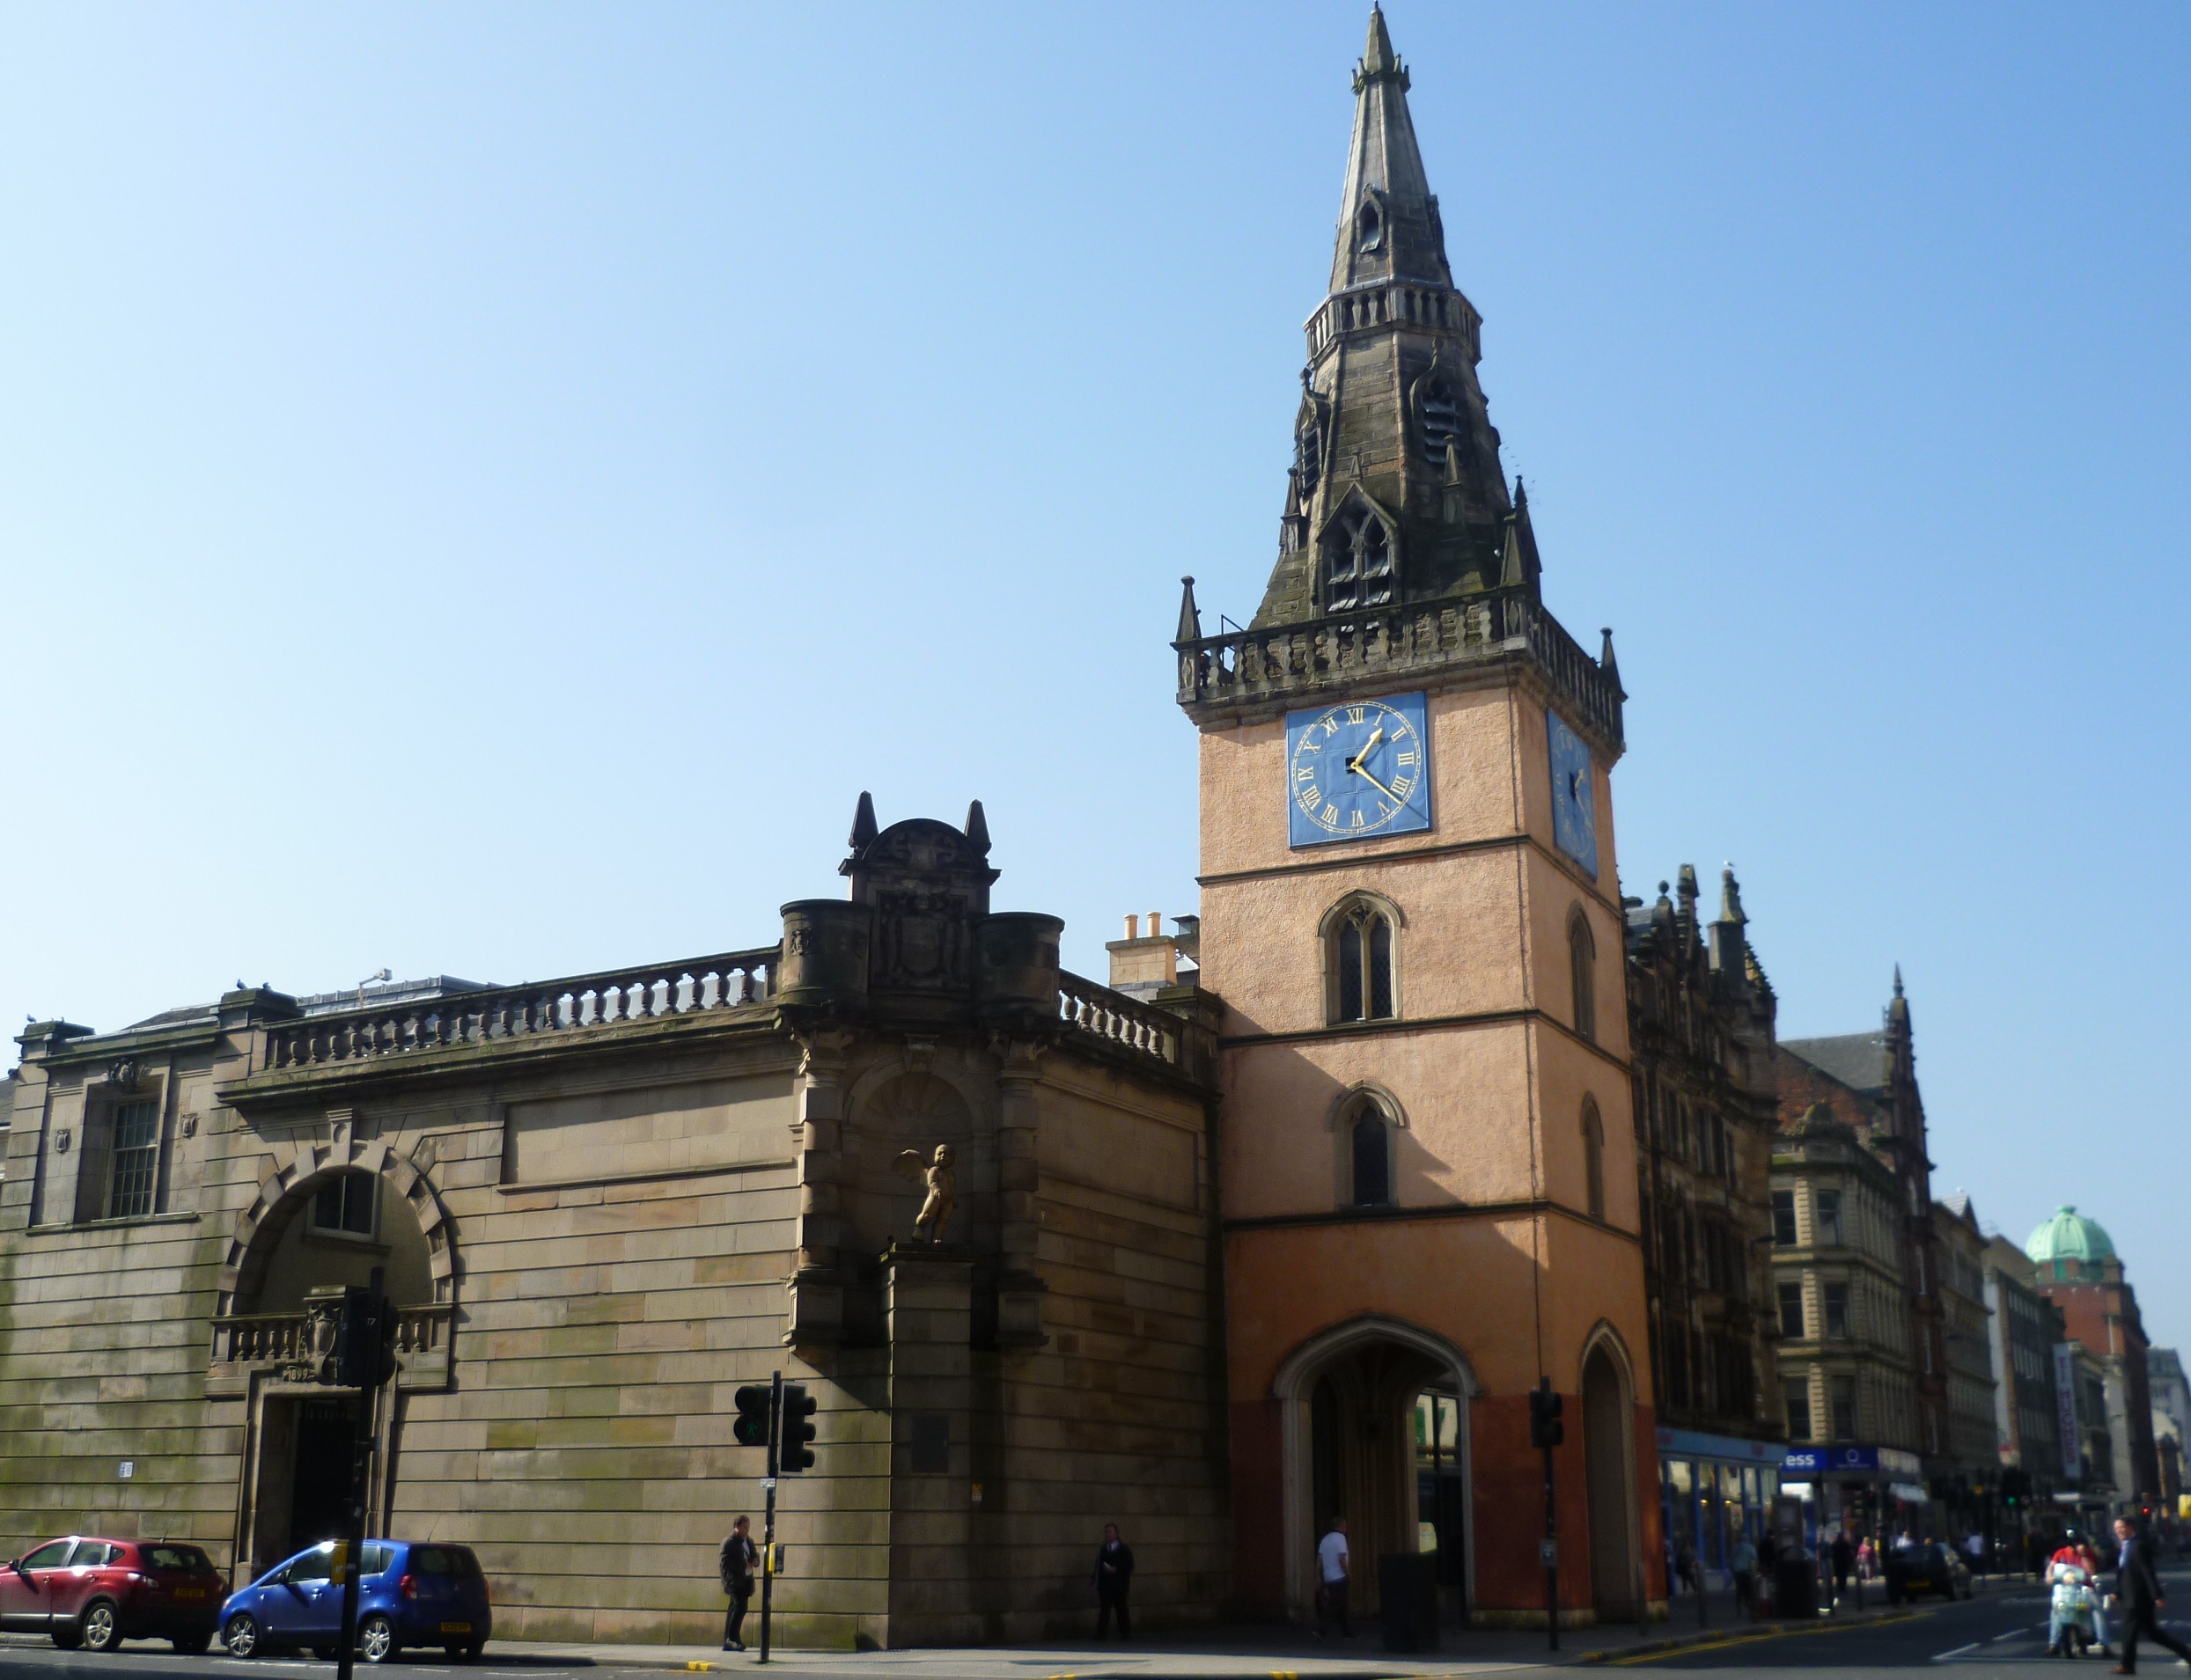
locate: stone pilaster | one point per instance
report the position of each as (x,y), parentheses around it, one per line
(816,1317)
(1019,1286)
(929,1306)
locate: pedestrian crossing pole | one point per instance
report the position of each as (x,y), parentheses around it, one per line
(1546,1431)
(769,1511)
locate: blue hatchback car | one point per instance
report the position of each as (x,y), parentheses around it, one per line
(411,1594)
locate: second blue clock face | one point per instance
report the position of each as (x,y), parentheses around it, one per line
(1358,770)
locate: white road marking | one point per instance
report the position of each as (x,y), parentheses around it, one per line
(1958,1650)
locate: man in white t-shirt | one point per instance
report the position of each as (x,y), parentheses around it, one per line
(1332,1574)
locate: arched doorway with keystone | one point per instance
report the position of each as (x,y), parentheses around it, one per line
(1374,1427)
(326,1219)
(1608,1414)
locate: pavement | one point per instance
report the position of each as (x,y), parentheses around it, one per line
(2000,1623)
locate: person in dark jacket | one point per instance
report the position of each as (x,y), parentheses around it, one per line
(739,1560)
(2138,1588)
(1113,1575)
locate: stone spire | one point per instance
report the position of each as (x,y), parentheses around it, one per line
(1395,494)
(1389,221)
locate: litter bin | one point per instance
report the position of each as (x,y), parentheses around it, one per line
(1406,1587)
(1796,1588)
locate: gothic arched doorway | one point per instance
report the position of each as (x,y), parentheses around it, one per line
(1607,1428)
(1375,1428)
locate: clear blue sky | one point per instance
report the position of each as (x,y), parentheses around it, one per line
(483,488)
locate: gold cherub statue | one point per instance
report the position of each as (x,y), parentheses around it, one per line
(943,1189)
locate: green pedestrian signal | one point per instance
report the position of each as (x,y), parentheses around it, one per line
(752,1427)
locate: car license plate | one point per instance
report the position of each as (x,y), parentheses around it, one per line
(456,1627)
(191,1592)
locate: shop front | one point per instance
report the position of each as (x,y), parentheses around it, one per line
(1716,1489)
(1872,1493)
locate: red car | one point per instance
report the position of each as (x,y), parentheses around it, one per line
(97,1592)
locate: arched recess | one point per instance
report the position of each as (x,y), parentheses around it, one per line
(1593,1129)
(1581,956)
(1376,1364)
(1366,1103)
(1605,1382)
(285,1192)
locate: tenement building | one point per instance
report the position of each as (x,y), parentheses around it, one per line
(1411,911)
(2078,1270)
(2025,1328)
(602,1203)
(1969,1486)
(1701,1015)
(1847,1387)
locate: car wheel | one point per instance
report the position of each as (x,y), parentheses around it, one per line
(376,1638)
(99,1627)
(67,1635)
(241,1635)
(194,1645)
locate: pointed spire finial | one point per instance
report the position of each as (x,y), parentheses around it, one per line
(1606,663)
(1521,498)
(1190,615)
(977,829)
(1378,58)
(1898,979)
(863,829)
(1510,563)
(1730,896)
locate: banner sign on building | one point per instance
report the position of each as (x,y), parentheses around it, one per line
(2065,1408)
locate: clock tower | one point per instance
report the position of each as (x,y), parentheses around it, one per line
(1410,910)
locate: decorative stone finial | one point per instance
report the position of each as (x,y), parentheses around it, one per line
(977,829)
(863,829)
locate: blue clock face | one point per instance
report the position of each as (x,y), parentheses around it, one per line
(1358,770)
(1574,793)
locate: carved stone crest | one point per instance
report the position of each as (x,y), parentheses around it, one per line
(122,1074)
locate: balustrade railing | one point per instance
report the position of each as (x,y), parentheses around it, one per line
(1298,659)
(508,1012)
(1131,1025)
(296,1339)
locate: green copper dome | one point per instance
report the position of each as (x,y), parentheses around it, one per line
(2069,1236)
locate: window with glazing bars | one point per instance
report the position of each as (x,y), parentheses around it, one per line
(135,1171)
(1363,955)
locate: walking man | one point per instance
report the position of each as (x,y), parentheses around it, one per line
(2137,1588)
(740,1559)
(1113,1575)
(1333,1575)
(1844,1556)
(1742,1561)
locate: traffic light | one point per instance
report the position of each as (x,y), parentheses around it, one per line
(752,1427)
(1545,1428)
(364,1341)
(792,1453)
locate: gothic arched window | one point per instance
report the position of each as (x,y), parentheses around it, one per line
(1581,956)
(1359,961)
(1357,562)
(1593,1158)
(1367,1129)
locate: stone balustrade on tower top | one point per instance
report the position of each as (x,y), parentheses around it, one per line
(1284,662)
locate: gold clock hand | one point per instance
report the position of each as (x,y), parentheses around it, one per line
(1376,735)
(1380,786)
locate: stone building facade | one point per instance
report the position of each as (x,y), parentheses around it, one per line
(603,1202)
(1701,1015)
(1970,1484)
(2025,1328)
(2080,1271)
(1847,1385)
(1410,910)
(1869,1082)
